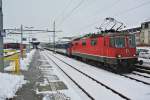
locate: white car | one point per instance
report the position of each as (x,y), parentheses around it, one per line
(144,52)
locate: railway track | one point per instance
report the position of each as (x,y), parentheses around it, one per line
(140,74)
(126,76)
(136,79)
(58,95)
(98,82)
(72,80)
(142,69)
(129,77)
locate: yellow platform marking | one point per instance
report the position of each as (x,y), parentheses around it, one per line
(14,58)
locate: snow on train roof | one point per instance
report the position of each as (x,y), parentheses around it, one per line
(94,35)
(131,27)
(63,40)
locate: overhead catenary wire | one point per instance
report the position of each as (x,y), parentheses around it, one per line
(64,10)
(71,12)
(120,13)
(133,8)
(102,11)
(108,8)
(79,4)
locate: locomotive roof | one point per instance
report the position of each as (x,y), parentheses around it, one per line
(118,33)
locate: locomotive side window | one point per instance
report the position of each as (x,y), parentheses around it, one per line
(119,42)
(93,42)
(76,43)
(83,42)
(131,41)
(112,42)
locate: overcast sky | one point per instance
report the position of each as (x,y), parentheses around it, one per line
(73,17)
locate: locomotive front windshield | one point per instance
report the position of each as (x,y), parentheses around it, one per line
(118,42)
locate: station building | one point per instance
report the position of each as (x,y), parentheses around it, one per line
(145,33)
(134,30)
(142,33)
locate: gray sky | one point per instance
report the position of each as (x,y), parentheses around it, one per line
(73,17)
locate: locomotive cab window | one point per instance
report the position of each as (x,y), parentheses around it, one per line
(83,42)
(112,42)
(131,41)
(93,42)
(119,42)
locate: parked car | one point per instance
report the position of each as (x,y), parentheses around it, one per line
(143,52)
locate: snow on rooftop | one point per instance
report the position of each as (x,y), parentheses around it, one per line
(131,27)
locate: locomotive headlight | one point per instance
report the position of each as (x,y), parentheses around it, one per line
(134,55)
(119,56)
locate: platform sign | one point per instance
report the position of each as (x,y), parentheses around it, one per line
(3,33)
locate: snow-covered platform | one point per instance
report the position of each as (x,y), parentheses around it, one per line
(51,76)
(125,86)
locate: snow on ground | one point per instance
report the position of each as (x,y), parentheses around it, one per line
(24,63)
(145,74)
(70,92)
(11,67)
(9,84)
(128,87)
(10,53)
(97,91)
(139,77)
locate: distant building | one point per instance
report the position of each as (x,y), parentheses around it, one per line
(13,46)
(134,30)
(145,33)
(142,33)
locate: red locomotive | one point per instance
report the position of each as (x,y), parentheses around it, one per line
(112,48)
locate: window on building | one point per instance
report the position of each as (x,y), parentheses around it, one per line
(83,42)
(93,42)
(149,37)
(143,26)
(146,25)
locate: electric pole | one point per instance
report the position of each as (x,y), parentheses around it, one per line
(1,39)
(21,44)
(54,35)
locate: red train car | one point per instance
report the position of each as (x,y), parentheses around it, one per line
(114,49)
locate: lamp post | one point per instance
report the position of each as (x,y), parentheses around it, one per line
(1,39)
(54,37)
